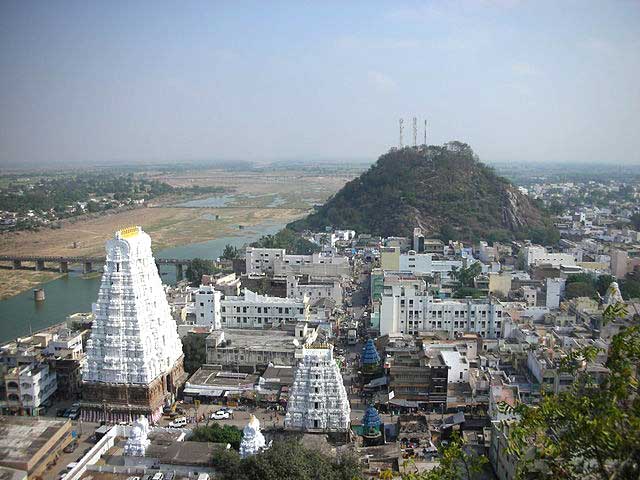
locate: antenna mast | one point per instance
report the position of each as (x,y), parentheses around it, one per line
(415,132)
(401,128)
(425,132)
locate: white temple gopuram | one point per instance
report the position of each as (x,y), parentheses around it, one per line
(134,355)
(138,441)
(252,439)
(318,400)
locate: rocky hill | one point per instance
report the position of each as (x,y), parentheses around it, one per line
(445,190)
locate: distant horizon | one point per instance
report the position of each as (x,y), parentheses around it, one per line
(319,162)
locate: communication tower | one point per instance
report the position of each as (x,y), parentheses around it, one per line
(415,132)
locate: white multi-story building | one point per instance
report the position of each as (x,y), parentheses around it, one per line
(65,344)
(28,388)
(406,307)
(207,306)
(261,311)
(429,264)
(314,289)
(275,261)
(555,291)
(536,255)
(457,363)
(318,401)
(315,265)
(260,261)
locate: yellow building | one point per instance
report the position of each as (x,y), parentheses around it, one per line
(500,283)
(390,258)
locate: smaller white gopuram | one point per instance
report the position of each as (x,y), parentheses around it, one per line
(138,442)
(318,401)
(252,439)
(613,296)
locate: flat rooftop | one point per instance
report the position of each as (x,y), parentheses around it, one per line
(259,340)
(21,438)
(220,378)
(184,453)
(279,374)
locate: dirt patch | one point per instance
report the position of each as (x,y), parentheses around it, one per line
(167,226)
(13,282)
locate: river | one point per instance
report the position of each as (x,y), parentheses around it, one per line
(20,315)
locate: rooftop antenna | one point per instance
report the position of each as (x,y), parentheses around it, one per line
(425,132)
(415,132)
(401,128)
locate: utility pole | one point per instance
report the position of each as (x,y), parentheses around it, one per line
(425,133)
(401,128)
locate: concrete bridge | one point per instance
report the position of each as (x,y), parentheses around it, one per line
(87,263)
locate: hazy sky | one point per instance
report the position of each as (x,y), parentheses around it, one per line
(102,81)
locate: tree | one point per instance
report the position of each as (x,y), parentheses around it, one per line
(199,267)
(447,232)
(465,276)
(195,352)
(579,289)
(218,434)
(603,282)
(289,240)
(592,430)
(457,462)
(287,459)
(630,288)
(463,292)
(230,252)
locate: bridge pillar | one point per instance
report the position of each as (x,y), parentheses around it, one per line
(87,268)
(17,264)
(39,265)
(64,267)
(178,272)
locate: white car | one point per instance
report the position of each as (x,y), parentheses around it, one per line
(178,422)
(220,415)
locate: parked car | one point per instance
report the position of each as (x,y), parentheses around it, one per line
(158,476)
(71,447)
(178,423)
(74,413)
(220,415)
